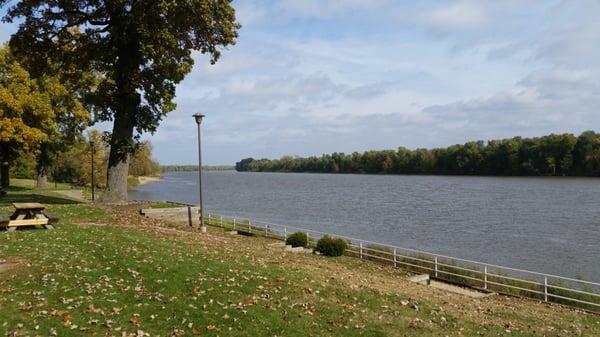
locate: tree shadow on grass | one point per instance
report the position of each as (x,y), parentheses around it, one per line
(17,189)
(7,200)
(26,228)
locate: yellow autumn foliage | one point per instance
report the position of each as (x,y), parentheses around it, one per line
(27,117)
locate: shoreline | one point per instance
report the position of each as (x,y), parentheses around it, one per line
(144,180)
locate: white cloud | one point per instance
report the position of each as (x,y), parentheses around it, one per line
(457,15)
(543,102)
(326,9)
(250,13)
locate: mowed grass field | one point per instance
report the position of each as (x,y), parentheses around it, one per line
(106,271)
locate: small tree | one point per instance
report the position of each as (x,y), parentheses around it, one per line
(70,119)
(141,163)
(74,164)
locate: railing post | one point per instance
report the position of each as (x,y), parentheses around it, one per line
(266,230)
(308,239)
(233,223)
(249,226)
(545,288)
(209,219)
(395,265)
(436,266)
(361,253)
(485,284)
(285,233)
(221,220)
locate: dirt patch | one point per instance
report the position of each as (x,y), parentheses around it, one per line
(474,293)
(10,263)
(132,205)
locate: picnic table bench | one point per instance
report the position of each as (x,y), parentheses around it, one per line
(28,214)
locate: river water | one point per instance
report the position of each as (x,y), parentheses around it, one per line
(550,225)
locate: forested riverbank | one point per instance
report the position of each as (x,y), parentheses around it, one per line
(551,155)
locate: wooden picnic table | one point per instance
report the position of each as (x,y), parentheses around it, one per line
(29,214)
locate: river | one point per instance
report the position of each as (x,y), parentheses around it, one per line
(549,225)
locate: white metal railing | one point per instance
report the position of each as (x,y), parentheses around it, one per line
(491,277)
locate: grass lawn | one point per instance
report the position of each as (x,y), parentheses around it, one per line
(20,184)
(111,272)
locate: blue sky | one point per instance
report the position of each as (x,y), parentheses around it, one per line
(318,76)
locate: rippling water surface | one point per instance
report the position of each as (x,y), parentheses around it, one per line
(550,225)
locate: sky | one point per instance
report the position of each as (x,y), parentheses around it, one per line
(308,77)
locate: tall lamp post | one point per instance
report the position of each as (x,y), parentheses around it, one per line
(93,176)
(198,116)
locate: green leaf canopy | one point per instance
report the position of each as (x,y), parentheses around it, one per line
(141,49)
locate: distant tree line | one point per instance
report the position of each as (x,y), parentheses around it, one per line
(552,155)
(194,168)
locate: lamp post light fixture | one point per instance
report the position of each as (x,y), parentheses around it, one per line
(198,117)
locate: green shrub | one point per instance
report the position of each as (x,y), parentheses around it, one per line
(329,246)
(298,239)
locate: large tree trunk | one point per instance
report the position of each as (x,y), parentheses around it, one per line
(120,149)
(4,175)
(42,176)
(118,162)
(116,181)
(127,101)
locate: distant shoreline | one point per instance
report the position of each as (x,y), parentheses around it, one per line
(551,155)
(194,168)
